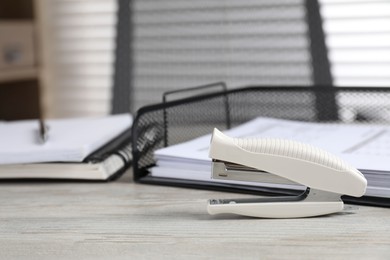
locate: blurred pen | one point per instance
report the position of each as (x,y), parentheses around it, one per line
(43,131)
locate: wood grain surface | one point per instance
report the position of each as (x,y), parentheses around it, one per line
(123,220)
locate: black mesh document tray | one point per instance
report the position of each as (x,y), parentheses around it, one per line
(185,118)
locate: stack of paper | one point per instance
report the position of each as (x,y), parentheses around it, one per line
(67,152)
(367,147)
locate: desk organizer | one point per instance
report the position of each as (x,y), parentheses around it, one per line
(185,118)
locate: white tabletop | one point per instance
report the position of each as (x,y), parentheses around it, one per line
(125,220)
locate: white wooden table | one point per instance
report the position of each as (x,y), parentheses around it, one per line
(123,220)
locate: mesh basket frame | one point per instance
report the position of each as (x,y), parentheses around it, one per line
(168,123)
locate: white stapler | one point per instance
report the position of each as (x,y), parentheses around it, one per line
(326,176)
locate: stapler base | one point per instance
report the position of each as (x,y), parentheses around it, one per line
(309,204)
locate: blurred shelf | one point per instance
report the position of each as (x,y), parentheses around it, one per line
(19,67)
(18,74)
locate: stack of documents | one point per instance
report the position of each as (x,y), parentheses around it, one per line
(78,148)
(366,147)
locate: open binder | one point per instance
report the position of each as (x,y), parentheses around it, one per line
(185,118)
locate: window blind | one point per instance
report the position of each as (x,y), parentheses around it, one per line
(184,43)
(358,40)
(78,43)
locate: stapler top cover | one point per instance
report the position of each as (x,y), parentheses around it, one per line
(298,162)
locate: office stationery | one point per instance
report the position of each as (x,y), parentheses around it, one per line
(190,120)
(189,160)
(325,176)
(71,140)
(43,131)
(106,163)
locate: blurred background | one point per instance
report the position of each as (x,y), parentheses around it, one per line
(73,58)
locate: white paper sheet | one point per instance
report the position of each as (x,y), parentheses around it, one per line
(366,147)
